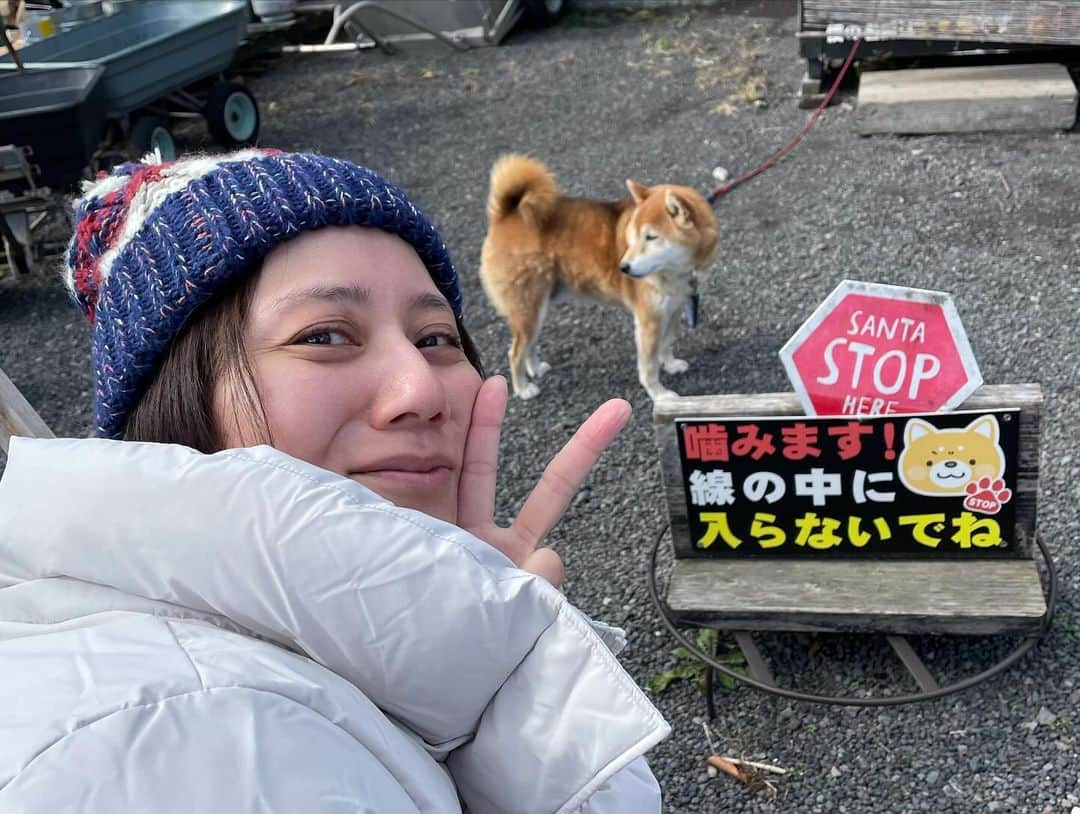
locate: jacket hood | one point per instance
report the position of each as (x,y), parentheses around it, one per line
(436,627)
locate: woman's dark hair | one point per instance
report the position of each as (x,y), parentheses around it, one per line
(178,406)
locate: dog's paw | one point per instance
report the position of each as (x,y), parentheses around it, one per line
(986,496)
(674,365)
(529,391)
(539,370)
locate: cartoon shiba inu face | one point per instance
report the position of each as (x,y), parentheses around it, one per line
(663,232)
(942,462)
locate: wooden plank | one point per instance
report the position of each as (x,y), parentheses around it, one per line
(1021,21)
(989,396)
(759,668)
(966,99)
(923,677)
(905,597)
(17,417)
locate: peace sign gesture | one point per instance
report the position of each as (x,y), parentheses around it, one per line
(547,502)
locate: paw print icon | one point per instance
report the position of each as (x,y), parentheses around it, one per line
(986,496)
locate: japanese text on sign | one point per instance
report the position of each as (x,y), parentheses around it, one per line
(930,485)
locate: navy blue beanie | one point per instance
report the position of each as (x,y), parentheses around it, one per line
(153,242)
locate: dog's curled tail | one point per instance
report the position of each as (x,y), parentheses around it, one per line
(523,184)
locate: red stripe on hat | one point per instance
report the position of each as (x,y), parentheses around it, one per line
(107,221)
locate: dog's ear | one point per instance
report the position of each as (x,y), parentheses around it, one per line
(639,192)
(677,209)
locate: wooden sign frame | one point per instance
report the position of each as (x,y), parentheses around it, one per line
(865,595)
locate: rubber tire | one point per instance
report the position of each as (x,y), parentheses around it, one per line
(146,131)
(544,13)
(218,115)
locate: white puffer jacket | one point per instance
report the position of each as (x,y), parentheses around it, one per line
(245,632)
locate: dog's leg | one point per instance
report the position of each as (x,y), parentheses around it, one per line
(519,344)
(648,330)
(533,365)
(524,328)
(667,358)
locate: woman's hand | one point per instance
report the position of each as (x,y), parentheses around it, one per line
(547,502)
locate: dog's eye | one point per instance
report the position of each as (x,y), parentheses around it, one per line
(971,461)
(650,237)
(929,463)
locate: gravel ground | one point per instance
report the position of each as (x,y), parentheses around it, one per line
(657,97)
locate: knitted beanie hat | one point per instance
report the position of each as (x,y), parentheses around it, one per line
(153,241)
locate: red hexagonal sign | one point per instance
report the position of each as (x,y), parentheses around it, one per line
(871,348)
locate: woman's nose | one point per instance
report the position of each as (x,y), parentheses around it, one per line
(409,390)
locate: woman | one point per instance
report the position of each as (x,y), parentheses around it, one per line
(283,590)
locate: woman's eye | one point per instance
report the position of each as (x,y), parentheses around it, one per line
(439,340)
(324,337)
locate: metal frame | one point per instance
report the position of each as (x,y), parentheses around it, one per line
(21,214)
(763,680)
(493,26)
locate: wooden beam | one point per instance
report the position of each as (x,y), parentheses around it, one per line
(890,596)
(966,99)
(17,417)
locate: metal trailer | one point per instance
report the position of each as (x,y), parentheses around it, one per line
(154,52)
(934,32)
(22,211)
(56,117)
(460,24)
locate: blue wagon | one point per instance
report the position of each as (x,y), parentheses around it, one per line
(153,54)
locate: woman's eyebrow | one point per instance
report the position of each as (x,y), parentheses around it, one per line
(429,301)
(336,293)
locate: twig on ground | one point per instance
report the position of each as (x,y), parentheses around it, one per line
(708,737)
(762,767)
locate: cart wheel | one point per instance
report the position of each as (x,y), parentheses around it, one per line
(543,13)
(232,117)
(150,133)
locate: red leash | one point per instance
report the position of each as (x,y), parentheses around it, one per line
(787,148)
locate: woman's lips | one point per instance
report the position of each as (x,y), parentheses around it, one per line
(414,472)
(415,478)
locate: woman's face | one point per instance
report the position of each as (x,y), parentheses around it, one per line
(359,367)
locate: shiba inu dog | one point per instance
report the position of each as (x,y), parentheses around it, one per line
(941,463)
(645,252)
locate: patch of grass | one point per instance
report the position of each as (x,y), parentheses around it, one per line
(752,89)
(689,668)
(1065,624)
(1062,725)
